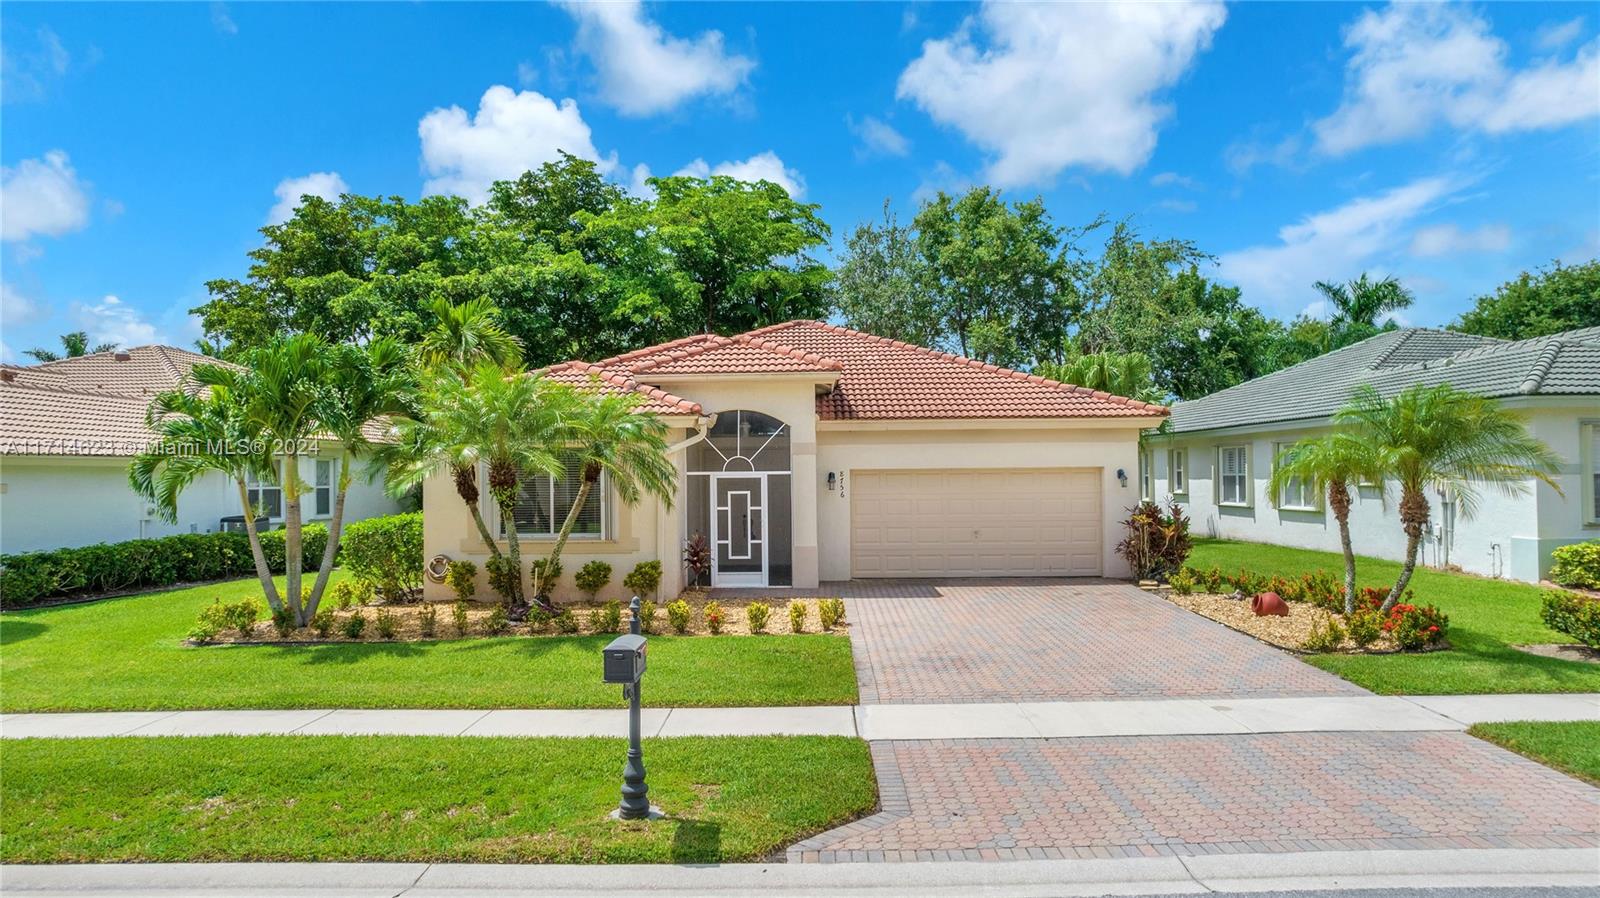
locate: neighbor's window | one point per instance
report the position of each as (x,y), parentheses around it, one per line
(1146,489)
(545,502)
(1233,475)
(1589,448)
(1178,471)
(266,496)
(323,487)
(1297,494)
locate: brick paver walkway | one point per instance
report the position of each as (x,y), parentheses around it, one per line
(1032,640)
(1148,796)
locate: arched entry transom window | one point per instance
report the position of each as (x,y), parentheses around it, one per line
(739,499)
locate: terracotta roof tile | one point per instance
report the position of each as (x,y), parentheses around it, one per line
(743,354)
(656,400)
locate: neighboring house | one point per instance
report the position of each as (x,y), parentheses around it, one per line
(68,430)
(809,452)
(1218,456)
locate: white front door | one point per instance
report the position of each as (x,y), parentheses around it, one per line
(738,530)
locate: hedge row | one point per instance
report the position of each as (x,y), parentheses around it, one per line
(29,577)
(385,552)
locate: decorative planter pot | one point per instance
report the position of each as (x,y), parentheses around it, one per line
(1269,603)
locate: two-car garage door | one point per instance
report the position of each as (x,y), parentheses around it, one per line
(975,523)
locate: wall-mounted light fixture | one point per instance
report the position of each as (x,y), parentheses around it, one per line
(833,480)
(1122,477)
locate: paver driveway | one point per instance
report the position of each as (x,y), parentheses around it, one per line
(1066,640)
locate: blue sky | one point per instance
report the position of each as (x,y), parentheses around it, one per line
(1452,146)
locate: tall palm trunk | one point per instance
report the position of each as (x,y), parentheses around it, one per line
(503,487)
(293,535)
(466,479)
(571,521)
(1413,517)
(263,570)
(331,550)
(1339,501)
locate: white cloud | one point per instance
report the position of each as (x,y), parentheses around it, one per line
(1556,35)
(512,132)
(1184,206)
(943,178)
(27,74)
(639,182)
(527,74)
(878,138)
(111,321)
(760,167)
(1333,245)
(1173,179)
(42,197)
(1051,85)
(643,69)
(222,21)
(17,309)
(326,184)
(1414,66)
(1450,239)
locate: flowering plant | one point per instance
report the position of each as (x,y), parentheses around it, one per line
(1416,626)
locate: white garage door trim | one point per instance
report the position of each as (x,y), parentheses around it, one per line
(971,522)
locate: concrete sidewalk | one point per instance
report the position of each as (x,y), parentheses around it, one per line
(1525,868)
(1001,720)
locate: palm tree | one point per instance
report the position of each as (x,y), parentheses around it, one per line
(364,384)
(1120,373)
(605,433)
(1332,462)
(198,433)
(1448,439)
(73,345)
(1357,305)
(468,335)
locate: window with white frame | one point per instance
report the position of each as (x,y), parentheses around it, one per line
(1146,477)
(1178,471)
(266,495)
(322,488)
(1296,494)
(1233,475)
(544,503)
(1589,449)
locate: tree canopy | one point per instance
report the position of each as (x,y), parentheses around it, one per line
(1553,299)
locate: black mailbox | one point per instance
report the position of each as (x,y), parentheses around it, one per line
(625,658)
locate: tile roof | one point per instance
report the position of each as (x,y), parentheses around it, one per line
(586,374)
(743,354)
(140,371)
(1560,364)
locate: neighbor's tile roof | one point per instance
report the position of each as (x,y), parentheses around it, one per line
(1560,364)
(876,378)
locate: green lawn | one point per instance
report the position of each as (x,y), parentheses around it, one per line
(1569,747)
(386,798)
(128,653)
(1486,618)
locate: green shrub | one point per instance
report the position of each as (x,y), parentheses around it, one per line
(386,624)
(1182,582)
(497,623)
(204,630)
(678,614)
(757,613)
(539,619)
(546,573)
(462,576)
(593,577)
(712,612)
(1325,636)
(458,616)
(643,579)
(831,611)
(1572,614)
(351,592)
(1577,565)
(566,621)
(323,623)
(355,624)
(1416,626)
(647,617)
(242,616)
(386,552)
(797,617)
(427,619)
(1156,542)
(283,621)
(502,575)
(606,619)
(1365,626)
(29,577)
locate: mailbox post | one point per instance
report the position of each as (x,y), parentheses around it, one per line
(625,661)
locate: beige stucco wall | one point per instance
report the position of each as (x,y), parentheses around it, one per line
(1070,446)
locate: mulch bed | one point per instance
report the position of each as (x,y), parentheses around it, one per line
(408,627)
(1284,632)
(1572,652)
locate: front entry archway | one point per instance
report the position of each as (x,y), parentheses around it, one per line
(738,499)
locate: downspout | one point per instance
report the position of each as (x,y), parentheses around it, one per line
(702,426)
